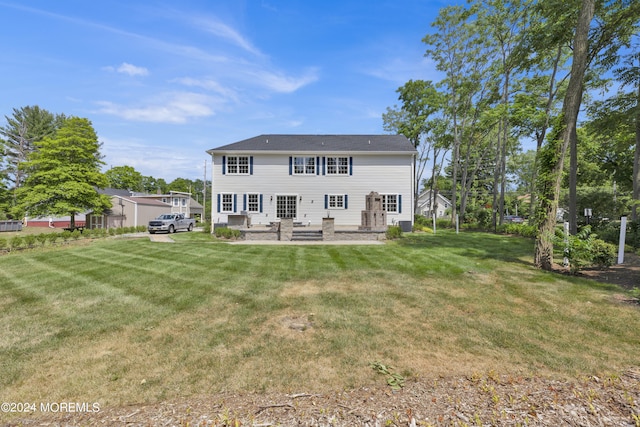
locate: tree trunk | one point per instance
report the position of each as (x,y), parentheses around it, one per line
(573,185)
(636,164)
(543,131)
(554,157)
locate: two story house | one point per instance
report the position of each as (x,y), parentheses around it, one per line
(308,177)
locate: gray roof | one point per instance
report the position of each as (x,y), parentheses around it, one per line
(320,143)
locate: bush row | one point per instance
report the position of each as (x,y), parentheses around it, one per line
(33,240)
(227,233)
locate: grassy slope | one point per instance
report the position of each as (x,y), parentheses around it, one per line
(128,320)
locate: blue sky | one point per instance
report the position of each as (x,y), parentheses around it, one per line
(162,82)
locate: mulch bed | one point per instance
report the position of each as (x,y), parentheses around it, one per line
(503,401)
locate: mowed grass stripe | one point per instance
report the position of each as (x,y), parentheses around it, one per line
(217,317)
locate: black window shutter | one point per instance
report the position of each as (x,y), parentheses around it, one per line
(290,165)
(251,165)
(261,203)
(224,165)
(326,201)
(350,165)
(399,203)
(346,201)
(219,203)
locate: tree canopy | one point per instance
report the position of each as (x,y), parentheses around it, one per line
(63,174)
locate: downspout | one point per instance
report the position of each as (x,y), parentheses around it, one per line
(135,214)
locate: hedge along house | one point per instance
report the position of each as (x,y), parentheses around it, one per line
(309,177)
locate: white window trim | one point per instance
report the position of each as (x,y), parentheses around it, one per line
(304,165)
(338,201)
(257,202)
(337,166)
(222,202)
(237,165)
(384,203)
(275,199)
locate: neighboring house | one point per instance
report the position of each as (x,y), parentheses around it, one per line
(54,221)
(127,211)
(180,202)
(308,177)
(425,202)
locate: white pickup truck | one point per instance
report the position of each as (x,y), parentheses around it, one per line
(171,222)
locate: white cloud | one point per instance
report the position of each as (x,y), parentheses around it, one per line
(145,157)
(132,70)
(226,32)
(281,83)
(208,84)
(178,107)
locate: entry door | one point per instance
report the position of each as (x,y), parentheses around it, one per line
(286,206)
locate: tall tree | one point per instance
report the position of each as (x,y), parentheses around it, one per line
(420,100)
(456,47)
(154,185)
(504,21)
(616,22)
(565,132)
(616,123)
(25,128)
(63,174)
(124,178)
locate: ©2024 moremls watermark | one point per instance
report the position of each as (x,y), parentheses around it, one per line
(49,407)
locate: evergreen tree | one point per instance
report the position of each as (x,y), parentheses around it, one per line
(63,174)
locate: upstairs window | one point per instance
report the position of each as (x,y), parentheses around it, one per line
(337,166)
(238,165)
(304,165)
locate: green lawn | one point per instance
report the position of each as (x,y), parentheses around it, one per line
(126,320)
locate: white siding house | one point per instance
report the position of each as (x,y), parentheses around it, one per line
(441,204)
(308,177)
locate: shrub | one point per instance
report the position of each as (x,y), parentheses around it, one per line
(586,250)
(15,242)
(3,243)
(603,254)
(52,237)
(65,235)
(394,232)
(75,234)
(227,233)
(42,238)
(421,220)
(29,240)
(424,228)
(443,223)
(523,230)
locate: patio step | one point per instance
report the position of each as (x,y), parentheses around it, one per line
(307,235)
